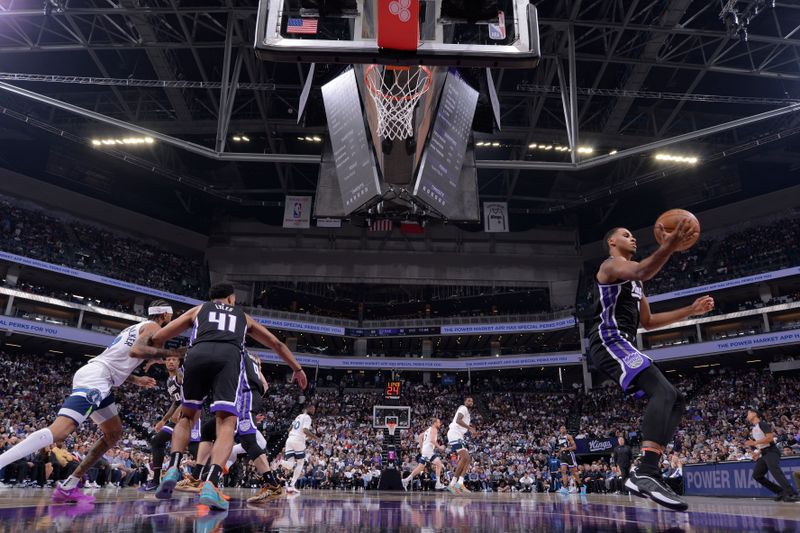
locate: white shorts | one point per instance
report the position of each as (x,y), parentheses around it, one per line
(91,395)
(455,440)
(427,451)
(295,447)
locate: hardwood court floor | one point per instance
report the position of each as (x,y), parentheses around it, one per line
(126,510)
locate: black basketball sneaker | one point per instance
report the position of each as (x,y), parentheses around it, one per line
(653,487)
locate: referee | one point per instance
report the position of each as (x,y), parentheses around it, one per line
(769,458)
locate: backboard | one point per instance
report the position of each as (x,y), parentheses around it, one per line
(381,414)
(347,32)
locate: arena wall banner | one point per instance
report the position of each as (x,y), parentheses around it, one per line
(594,445)
(458,364)
(747,280)
(753,342)
(54,331)
(514,327)
(730,478)
(296,325)
(59,269)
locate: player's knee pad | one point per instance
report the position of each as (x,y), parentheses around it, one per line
(251,446)
(208,431)
(160,440)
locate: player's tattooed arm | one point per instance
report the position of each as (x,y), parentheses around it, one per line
(144,347)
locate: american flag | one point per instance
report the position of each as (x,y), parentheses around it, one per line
(381,225)
(302,26)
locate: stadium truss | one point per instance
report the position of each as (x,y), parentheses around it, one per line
(185,73)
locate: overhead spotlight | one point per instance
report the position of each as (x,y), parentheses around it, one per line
(532,145)
(96,142)
(548,147)
(123,140)
(317,138)
(310,139)
(237,138)
(245,138)
(301,138)
(612,152)
(585,150)
(495,144)
(671,158)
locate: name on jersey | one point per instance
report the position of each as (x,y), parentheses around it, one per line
(129,340)
(223,307)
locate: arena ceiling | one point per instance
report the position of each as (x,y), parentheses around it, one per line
(646,70)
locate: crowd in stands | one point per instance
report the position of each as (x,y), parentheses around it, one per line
(398,302)
(517,421)
(35,234)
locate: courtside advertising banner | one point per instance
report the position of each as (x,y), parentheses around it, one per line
(297,212)
(731,478)
(594,445)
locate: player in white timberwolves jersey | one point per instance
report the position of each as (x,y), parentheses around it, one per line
(92,397)
(428,455)
(295,451)
(458,429)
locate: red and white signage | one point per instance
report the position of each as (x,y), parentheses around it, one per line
(398,24)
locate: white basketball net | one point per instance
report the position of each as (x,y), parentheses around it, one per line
(396,91)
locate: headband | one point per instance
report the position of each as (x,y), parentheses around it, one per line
(159,310)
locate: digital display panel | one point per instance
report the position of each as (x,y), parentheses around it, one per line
(439,175)
(356,170)
(393,390)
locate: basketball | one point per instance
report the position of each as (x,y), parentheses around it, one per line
(670,220)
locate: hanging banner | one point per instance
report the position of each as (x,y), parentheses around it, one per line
(297,212)
(329,223)
(495,217)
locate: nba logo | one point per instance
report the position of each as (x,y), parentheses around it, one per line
(497,32)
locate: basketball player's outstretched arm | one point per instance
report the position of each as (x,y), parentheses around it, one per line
(262,335)
(175,328)
(648,320)
(150,343)
(617,268)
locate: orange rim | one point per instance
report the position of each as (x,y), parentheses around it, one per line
(411,96)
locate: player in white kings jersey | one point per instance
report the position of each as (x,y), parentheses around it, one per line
(428,455)
(458,429)
(295,451)
(91,396)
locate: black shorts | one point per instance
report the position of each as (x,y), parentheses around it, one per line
(215,370)
(568,459)
(614,354)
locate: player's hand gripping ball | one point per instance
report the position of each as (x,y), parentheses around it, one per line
(678,228)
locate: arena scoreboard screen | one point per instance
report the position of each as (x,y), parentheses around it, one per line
(393,390)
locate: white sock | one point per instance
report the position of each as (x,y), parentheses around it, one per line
(461,480)
(32,443)
(298,469)
(238,449)
(453,480)
(70,483)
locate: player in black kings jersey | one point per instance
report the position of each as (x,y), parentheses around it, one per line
(165,426)
(215,366)
(621,308)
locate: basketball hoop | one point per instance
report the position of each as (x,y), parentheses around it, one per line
(391,426)
(396,91)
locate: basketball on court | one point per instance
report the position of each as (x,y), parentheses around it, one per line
(670,220)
